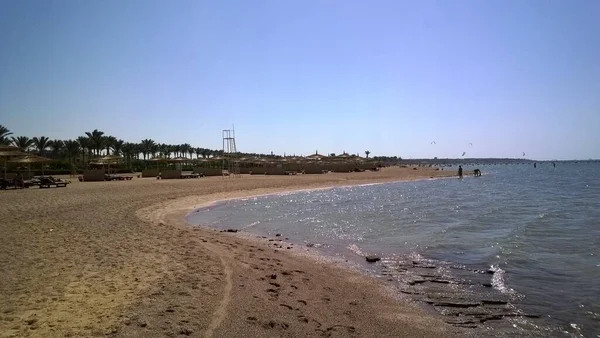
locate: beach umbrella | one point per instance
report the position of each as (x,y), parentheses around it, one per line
(315,157)
(31,159)
(179,161)
(159,159)
(110,159)
(9,151)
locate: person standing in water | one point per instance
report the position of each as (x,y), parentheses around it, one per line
(460,175)
(535,165)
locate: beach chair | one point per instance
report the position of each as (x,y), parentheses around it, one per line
(48,181)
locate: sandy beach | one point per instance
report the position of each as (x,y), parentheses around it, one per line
(118,259)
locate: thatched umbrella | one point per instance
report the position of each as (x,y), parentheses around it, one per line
(9,151)
(179,160)
(315,156)
(31,159)
(108,159)
(159,160)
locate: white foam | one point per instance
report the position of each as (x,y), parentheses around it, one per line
(354,248)
(499,280)
(251,224)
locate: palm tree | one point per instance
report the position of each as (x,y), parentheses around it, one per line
(108,143)
(55,147)
(22,142)
(163,150)
(72,148)
(198,152)
(146,147)
(177,149)
(154,149)
(184,148)
(4,133)
(117,146)
(96,140)
(367,153)
(41,144)
(84,145)
(128,150)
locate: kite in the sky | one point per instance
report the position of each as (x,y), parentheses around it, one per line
(464,153)
(470,143)
(523,154)
(433,142)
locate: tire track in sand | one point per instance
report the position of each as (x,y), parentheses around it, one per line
(170,213)
(221,310)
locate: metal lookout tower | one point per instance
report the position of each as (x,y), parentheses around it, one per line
(231,162)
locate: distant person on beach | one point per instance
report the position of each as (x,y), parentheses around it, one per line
(554,164)
(18,181)
(535,165)
(476,172)
(460,175)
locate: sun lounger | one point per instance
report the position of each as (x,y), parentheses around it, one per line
(14,184)
(113,177)
(192,175)
(47,182)
(5,184)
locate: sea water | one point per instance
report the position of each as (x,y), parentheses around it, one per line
(527,237)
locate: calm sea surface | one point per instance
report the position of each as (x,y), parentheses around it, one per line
(528,235)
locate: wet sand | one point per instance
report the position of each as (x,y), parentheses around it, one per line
(118,259)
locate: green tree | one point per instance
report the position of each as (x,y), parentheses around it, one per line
(72,148)
(22,142)
(128,150)
(184,148)
(96,140)
(41,144)
(146,147)
(56,147)
(367,153)
(4,134)
(117,147)
(108,143)
(84,145)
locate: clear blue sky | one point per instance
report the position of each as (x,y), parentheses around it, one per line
(295,76)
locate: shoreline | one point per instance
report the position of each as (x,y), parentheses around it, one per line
(394,285)
(122,257)
(300,190)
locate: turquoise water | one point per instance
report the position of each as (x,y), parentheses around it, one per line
(532,234)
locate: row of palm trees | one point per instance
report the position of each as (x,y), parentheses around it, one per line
(96,144)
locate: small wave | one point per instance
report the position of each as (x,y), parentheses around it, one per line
(354,248)
(251,224)
(499,280)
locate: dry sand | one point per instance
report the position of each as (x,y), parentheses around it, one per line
(117,259)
